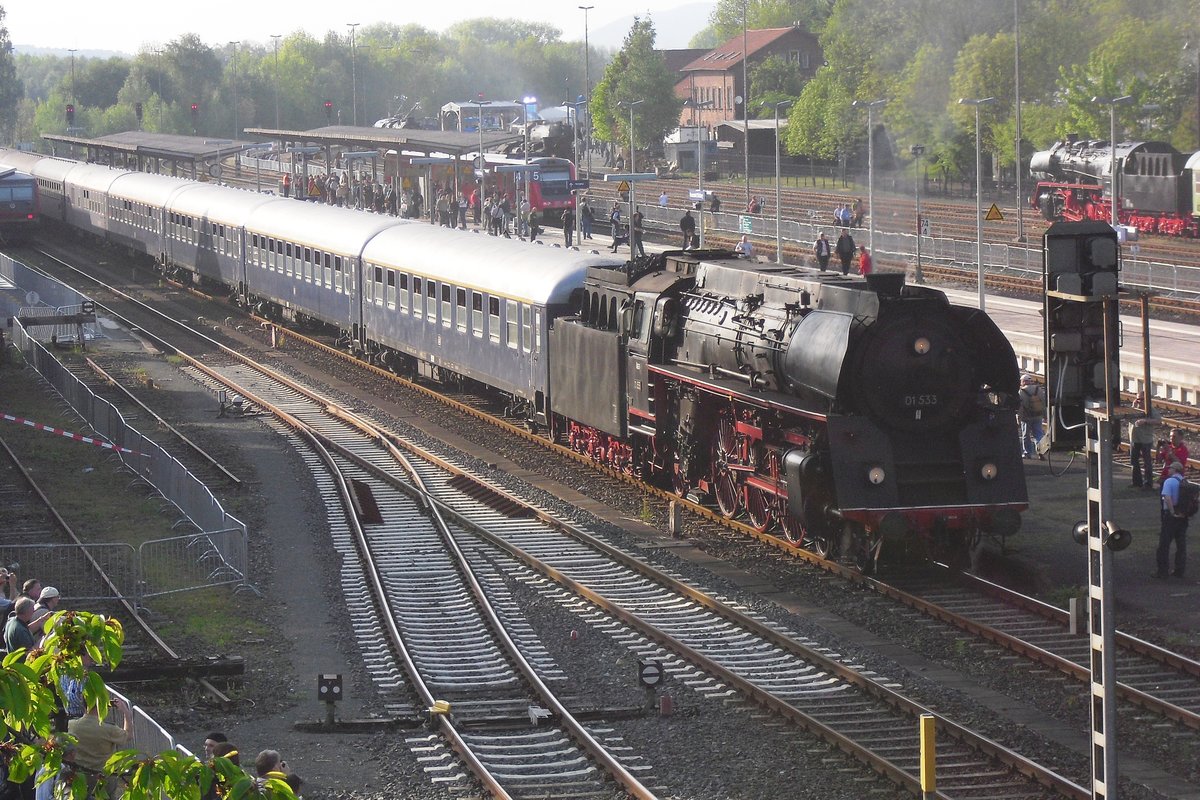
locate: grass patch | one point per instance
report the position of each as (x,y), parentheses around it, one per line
(103,501)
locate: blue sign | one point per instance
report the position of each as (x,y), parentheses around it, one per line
(578,186)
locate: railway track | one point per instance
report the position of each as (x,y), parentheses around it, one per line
(793,678)
(41,542)
(848,706)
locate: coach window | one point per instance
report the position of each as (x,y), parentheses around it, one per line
(337,274)
(416,297)
(404,293)
(327,275)
(526,328)
(510,323)
(391,288)
(460,310)
(308,262)
(287,260)
(494,319)
(431,301)
(447,319)
(477,314)
(316,271)
(378,286)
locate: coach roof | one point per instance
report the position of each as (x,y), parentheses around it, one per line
(144,187)
(538,274)
(328,228)
(219,204)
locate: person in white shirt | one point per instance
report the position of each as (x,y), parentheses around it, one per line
(744,248)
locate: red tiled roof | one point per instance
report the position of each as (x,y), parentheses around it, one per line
(729,54)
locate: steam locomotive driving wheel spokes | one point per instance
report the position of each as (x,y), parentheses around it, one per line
(758,508)
(724,483)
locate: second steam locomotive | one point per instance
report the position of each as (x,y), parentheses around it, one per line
(1158,187)
(837,410)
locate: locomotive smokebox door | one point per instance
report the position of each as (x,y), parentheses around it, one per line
(1081,270)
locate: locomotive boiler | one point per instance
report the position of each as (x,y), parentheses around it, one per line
(1155,184)
(844,411)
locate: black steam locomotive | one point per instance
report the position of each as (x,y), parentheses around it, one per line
(1155,182)
(844,411)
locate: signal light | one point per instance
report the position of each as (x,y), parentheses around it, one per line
(329,110)
(70,115)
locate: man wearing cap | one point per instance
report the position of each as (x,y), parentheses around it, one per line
(1031,414)
(1174,525)
(47,604)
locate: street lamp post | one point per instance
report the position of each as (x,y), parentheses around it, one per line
(778,209)
(587,89)
(697,106)
(235,94)
(1196,46)
(353,75)
(479,103)
(917,151)
(746,99)
(575,143)
(1017,86)
(275,38)
(161,67)
(523,183)
(870,105)
(632,170)
(977,102)
(72,51)
(1112,103)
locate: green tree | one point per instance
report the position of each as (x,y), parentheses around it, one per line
(637,72)
(31,691)
(725,22)
(10,87)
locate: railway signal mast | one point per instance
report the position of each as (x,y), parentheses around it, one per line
(1081,267)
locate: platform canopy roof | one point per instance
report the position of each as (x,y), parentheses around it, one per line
(159,145)
(412,139)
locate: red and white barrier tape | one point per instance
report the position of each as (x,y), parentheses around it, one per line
(69,435)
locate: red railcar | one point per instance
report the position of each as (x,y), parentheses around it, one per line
(18,205)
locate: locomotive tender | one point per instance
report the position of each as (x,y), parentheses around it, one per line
(1159,187)
(839,410)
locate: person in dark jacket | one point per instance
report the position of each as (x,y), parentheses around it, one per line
(845,249)
(687,224)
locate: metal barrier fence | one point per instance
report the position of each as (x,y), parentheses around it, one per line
(224,535)
(1176,280)
(60,563)
(196,561)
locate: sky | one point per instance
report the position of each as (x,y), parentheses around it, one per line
(132,25)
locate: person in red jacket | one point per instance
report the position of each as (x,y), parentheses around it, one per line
(1171,451)
(864,261)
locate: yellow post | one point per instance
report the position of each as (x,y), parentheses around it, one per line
(928,755)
